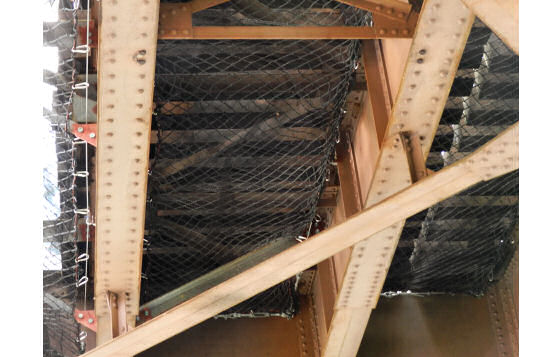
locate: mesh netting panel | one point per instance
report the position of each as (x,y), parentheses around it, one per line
(461,244)
(280,13)
(61,199)
(242,135)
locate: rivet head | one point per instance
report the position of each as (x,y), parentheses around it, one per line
(80,316)
(92,135)
(80,129)
(90,321)
(382,31)
(443,74)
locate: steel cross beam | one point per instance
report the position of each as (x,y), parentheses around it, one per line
(502,16)
(440,38)
(496,158)
(126,60)
(393,9)
(176,23)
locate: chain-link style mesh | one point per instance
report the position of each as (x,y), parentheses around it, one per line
(61,333)
(463,243)
(243,133)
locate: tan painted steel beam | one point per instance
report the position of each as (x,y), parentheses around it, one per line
(496,158)
(292,33)
(434,56)
(126,60)
(501,16)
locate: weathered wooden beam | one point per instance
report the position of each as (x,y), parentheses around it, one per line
(498,157)
(501,16)
(400,162)
(126,59)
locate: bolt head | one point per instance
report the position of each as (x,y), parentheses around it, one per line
(80,129)
(90,320)
(92,135)
(80,316)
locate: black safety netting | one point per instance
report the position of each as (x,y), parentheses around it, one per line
(465,242)
(62,187)
(243,134)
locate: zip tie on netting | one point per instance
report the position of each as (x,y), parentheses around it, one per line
(301,239)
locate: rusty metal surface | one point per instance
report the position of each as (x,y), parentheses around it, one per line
(430,326)
(269,337)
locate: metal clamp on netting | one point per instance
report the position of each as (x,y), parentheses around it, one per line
(82,336)
(82,85)
(81,173)
(81,211)
(84,49)
(82,281)
(90,221)
(82,258)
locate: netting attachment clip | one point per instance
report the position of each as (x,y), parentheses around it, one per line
(82,281)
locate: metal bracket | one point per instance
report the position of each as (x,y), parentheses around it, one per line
(417,162)
(86,132)
(86,318)
(144,315)
(117,313)
(82,234)
(176,20)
